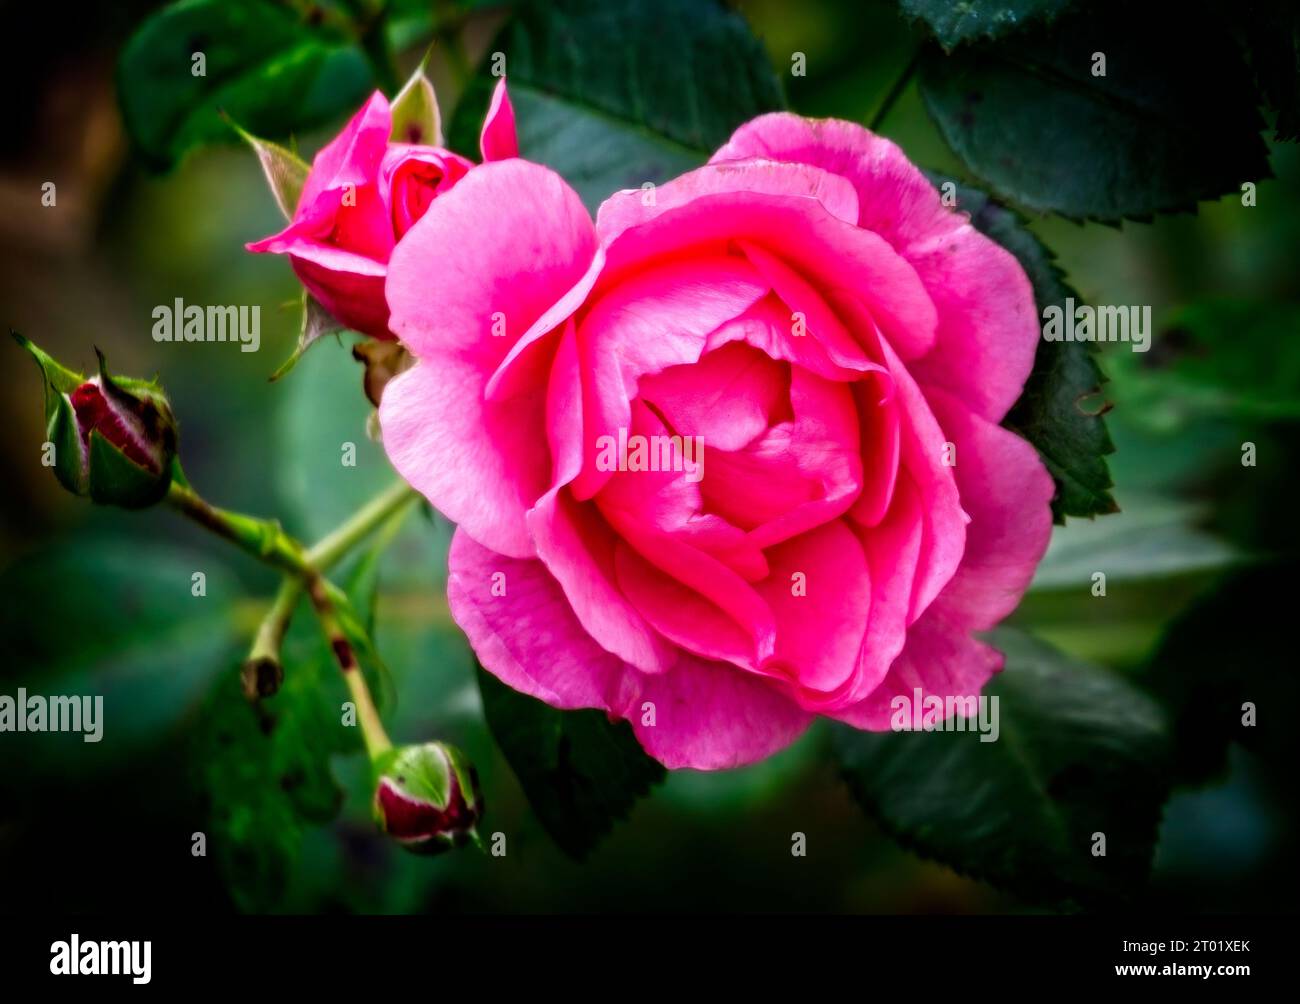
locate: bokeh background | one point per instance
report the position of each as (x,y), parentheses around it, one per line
(1200,557)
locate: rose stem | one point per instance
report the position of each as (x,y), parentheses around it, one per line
(372,730)
(267,541)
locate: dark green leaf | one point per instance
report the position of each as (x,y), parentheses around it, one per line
(1052,412)
(267,66)
(266,766)
(616,94)
(957,21)
(1235,646)
(410,23)
(1271,32)
(1157,133)
(118,620)
(1079,751)
(580,771)
(1152,538)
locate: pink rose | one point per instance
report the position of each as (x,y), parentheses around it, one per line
(843,345)
(362,195)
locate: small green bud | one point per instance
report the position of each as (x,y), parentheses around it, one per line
(114,439)
(427,797)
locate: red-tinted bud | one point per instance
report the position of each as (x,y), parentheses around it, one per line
(134,425)
(113,439)
(427,797)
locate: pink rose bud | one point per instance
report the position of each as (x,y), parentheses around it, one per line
(113,439)
(364,191)
(427,797)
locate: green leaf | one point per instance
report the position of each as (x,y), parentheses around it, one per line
(957,21)
(115,619)
(617,94)
(58,382)
(266,767)
(1271,33)
(1052,414)
(1236,645)
(1079,751)
(580,771)
(1151,538)
(1157,133)
(269,66)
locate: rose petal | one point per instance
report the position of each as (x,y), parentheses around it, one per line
(983,346)
(880,431)
(490,255)
(635,206)
(893,550)
(1007,492)
(728,397)
(352,157)
(657,319)
(498,140)
(523,630)
(940,659)
(479,463)
(820,594)
(712,716)
(922,450)
(577,547)
(353,295)
(769,326)
(414,176)
(800,232)
(797,476)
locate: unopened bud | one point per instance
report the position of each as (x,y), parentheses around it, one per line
(114,438)
(427,797)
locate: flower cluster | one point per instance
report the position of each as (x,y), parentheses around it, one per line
(818,353)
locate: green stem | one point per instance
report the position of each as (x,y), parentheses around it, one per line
(266,540)
(263,539)
(263,672)
(361,524)
(895,92)
(372,729)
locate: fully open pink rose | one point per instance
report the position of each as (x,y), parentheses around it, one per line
(842,345)
(362,195)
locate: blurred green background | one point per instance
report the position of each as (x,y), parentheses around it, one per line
(90,593)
